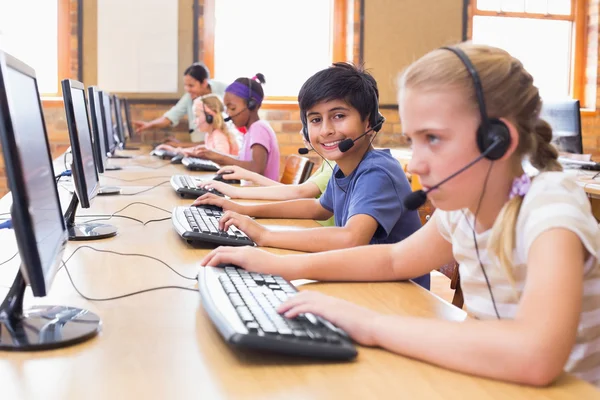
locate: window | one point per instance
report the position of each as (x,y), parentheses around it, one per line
(543,34)
(29,31)
(287,41)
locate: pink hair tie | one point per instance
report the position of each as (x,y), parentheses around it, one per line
(520,186)
(254,77)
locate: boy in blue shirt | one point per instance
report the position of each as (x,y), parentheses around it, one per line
(340,116)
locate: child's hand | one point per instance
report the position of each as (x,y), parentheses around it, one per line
(355,320)
(202,152)
(167,147)
(248,257)
(235,172)
(251,228)
(222,187)
(140,126)
(213,199)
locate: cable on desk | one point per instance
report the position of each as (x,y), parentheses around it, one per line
(103,217)
(128,205)
(127,255)
(156,220)
(13,256)
(149,167)
(137,179)
(145,190)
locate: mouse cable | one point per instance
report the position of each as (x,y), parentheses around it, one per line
(137,179)
(145,190)
(123,216)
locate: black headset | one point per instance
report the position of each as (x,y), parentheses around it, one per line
(375,123)
(492,131)
(208,117)
(251,104)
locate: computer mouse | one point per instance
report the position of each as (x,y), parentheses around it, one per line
(219,178)
(177,159)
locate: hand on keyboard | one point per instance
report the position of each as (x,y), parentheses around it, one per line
(222,187)
(255,231)
(215,200)
(354,320)
(249,258)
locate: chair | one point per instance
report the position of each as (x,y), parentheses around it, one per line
(297,170)
(450,269)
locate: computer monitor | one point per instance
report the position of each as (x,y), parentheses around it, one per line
(39,227)
(128,126)
(83,167)
(100,148)
(107,121)
(99,131)
(116,105)
(565,119)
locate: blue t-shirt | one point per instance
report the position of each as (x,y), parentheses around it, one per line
(375,188)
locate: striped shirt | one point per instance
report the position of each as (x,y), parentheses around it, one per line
(554,200)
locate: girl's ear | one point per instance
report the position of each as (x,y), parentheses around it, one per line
(514,138)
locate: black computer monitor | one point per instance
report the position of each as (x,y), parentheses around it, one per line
(565,119)
(39,226)
(118,118)
(107,121)
(128,126)
(83,167)
(100,148)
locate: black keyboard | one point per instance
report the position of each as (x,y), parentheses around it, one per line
(242,305)
(198,164)
(199,224)
(186,187)
(163,154)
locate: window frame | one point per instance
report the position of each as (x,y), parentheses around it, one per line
(339,42)
(579,19)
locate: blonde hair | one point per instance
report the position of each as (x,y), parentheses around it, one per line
(212,102)
(509,92)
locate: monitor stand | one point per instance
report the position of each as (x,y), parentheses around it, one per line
(109,190)
(42,327)
(112,168)
(85,230)
(119,156)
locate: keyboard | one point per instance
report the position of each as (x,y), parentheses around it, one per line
(198,164)
(242,306)
(186,187)
(200,224)
(163,154)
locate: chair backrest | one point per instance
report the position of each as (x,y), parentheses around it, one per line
(294,170)
(308,169)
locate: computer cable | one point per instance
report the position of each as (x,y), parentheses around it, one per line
(149,167)
(13,256)
(64,264)
(137,179)
(472,226)
(6,224)
(145,190)
(65,159)
(124,208)
(64,173)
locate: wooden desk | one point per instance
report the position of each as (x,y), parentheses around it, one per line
(162,344)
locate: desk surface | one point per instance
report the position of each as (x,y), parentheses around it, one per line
(162,344)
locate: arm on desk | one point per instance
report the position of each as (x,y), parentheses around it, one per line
(532,348)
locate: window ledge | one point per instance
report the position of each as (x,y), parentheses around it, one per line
(588,112)
(280,105)
(52,101)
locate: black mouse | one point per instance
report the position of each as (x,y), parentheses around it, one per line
(177,159)
(219,178)
(210,207)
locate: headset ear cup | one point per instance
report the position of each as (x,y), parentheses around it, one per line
(251,104)
(498,131)
(209,118)
(378,123)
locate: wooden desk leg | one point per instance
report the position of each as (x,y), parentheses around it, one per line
(595,202)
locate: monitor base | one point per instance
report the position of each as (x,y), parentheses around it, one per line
(48,327)
(91,231)
(117,156)
(112,168)
(109,190)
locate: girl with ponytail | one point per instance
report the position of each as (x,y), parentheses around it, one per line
(527,246)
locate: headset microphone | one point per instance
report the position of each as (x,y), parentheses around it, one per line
(229,118)
(416,199)
(303,150)
(347,144)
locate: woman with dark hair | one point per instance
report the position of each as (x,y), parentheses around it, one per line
(197,82)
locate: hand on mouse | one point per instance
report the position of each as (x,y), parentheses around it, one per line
(222,187)
(213,199)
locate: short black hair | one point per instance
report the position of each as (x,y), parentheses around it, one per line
(198,71)
(256,84)
(341,81)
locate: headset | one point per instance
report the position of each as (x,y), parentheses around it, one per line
(493,141)
(208,117)
(251,103)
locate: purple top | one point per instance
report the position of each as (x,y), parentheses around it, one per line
(261,133)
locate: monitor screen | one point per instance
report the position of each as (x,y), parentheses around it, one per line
(565,120)
(108,124)
(120,130)
(130,130)
(98,127)
(84,167)
(36,212)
